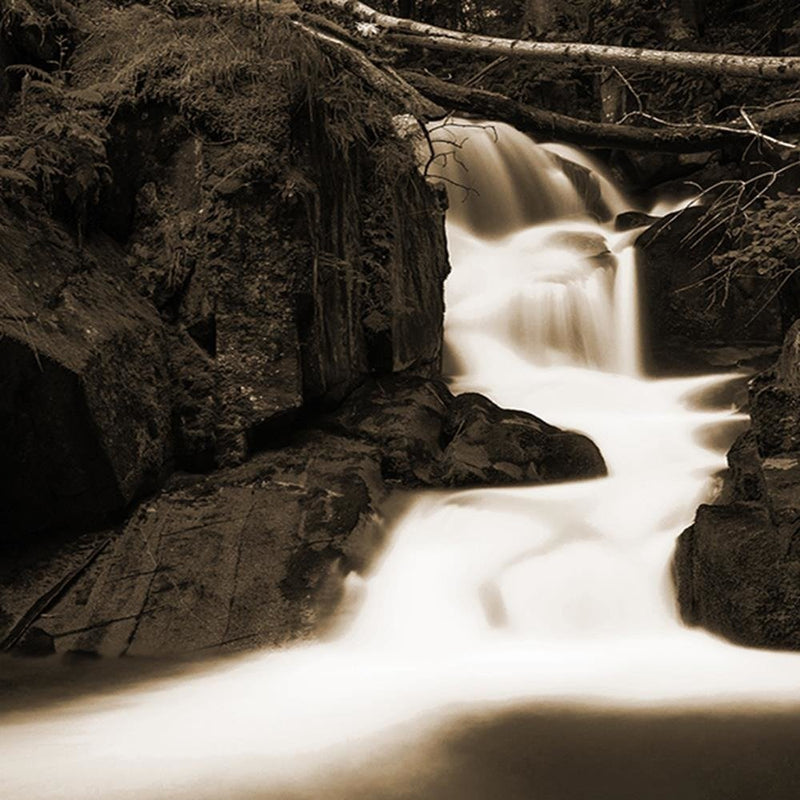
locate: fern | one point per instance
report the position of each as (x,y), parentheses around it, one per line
(16,177)
(31,72)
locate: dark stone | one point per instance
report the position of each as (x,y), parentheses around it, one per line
(630,220)
(587,187)
(258,554)
(738,574)
(250,556)
(775,400)
(401,415)
(737,569)
(667,171)
(35,643)
(490,445)
(430,438)
(682,317)
(211,319)
(290,313)
(84,402)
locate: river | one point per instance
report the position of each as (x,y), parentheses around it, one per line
(510,642)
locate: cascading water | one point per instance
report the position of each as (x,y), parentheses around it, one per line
(536,594)
(557,286)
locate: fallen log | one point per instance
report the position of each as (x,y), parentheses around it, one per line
(412,32)
(548,124)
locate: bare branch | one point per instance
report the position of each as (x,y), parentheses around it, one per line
(411,32)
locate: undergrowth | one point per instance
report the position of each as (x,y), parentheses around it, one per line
(236,77)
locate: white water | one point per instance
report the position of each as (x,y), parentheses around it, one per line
(484,597)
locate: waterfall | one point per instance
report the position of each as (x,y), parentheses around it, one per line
(484,599)
(562,285)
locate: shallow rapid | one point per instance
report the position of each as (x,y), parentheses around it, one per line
(486,598)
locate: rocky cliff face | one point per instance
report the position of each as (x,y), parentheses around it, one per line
(216,288)
(194,339)
(737,569)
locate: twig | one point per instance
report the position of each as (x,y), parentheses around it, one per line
(49,599)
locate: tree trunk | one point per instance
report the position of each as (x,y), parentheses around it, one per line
(410,32)
(383,79)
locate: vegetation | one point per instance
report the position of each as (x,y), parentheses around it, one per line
(235,76)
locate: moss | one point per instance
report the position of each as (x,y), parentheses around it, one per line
(233,77)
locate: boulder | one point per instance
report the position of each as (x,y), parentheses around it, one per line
(403,416)
(737,572)
(258,554)
(587,187)
(249,557)
(428,437)
(486,444)
(85,417)
(737,568)
(775,400)
(630,220)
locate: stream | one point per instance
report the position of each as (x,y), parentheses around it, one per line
(517,642)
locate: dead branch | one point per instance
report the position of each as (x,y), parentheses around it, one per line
(411,32)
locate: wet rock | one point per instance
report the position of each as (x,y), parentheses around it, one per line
(586,185)
(190,339)
(289,313)
(630,220)
(775,400)
(490,445)
(258,554)
(195,406)
(738,574)
(428,437)
(403,416)
(737,568)
(668,171)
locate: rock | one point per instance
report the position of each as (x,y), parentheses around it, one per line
(195,405)
(630,220)
(486,444)
(738,574)
(788,368)
(737,568)
(251,556)
(428,437)
(775,400)
(680,319)
(258,554)
(403,416)
(668,171)
(85,419)
(212,317)
(586,185)
(289,314)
